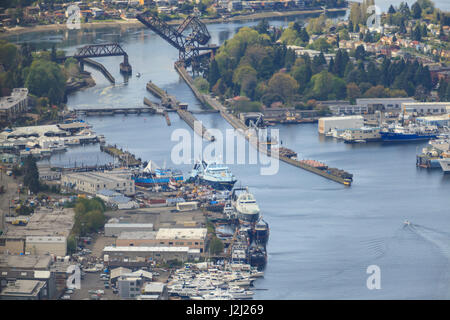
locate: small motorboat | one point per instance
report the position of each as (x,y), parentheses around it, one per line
(407,223)
(138,75)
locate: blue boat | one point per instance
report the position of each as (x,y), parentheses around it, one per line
(157,176)
(405,134)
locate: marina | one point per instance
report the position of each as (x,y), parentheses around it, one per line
(304,232)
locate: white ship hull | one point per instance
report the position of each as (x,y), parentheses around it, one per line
(445,164)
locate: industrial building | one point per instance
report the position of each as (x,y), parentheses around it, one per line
(24,290)
(116,199)
(340,123)
(14,105)
(154,291)
(93,182)
(115,229)
(338,109)
(194,238)
(46,245)
(132,256)
(426,108)
(383,104)
(439,121)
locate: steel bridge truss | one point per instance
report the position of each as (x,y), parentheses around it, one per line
(188,37)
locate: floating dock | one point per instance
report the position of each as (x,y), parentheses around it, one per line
(238,124)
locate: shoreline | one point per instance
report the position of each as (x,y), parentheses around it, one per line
(133,22)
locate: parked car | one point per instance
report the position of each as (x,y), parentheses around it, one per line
(65,297)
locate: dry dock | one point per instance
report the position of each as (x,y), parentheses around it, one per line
(238,124)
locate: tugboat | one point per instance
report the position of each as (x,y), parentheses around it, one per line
(214,174)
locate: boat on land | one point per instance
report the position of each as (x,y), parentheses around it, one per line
(153,175)
(214,174)
(244,203)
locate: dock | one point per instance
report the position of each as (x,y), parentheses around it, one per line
(170,103)
(100,67)
(112,111)
(237,124)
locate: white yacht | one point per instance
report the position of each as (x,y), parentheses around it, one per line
(240,293)
(245,205)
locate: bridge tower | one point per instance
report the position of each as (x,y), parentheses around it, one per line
(125,67)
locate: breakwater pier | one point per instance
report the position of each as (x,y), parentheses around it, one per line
(169,102)
(237,124)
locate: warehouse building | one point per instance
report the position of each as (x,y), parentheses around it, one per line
(117,255)
(383,104)
(439,121)
(93,182)
(194,238)
(426,108)
(115,229)
(340,123)
(46,245)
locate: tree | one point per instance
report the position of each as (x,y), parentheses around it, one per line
(215,246)
(46,79)
(31,178)
(353,92)
(360,52)
(391,9)
(283,84)
(416,10)
(214,73)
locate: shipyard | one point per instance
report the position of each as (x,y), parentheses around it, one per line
(195,153)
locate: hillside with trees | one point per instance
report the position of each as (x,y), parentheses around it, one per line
(263,71)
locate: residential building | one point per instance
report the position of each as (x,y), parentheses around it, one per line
(14,105)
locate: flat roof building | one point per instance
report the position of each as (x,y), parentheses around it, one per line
(24,290)
(46,245)
(383,104)
(118,255)
(340,123)
(93,182)
(115,229)
(14,105)
(426,108)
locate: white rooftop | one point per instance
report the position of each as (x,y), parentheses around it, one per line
(181,233)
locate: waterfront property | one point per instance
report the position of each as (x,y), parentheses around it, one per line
(194,238)
(426,108)
(383,104)
(129,256)
(439,121)
(93,182)
(340,123)
(13,106)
